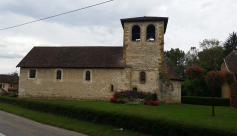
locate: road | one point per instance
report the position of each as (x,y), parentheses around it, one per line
(12,125)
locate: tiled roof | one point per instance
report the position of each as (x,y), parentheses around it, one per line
(146,19)
(79,57)
(74,56)
(231,61)
(9,79)
(173,75)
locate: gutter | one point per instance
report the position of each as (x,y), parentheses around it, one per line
(226,65)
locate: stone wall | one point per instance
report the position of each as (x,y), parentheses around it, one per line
(225,90)
(73,85)
(144,56)
(170,93)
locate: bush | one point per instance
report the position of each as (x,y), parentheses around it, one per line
(113,100)
(121,101)
(133,101)
(198,88)
(151,103)
(134,97)
(205,100)
(130,94)
(215,79)
(233,95)
(145,125)
(194,72)
(151,96)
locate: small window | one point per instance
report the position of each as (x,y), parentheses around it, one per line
(142,77)
(112,88)
(134,89)
(88,75)
(10,85)
(59,74)
(32,73)
(0,85)
(136,33)
(3,85)
(150,35)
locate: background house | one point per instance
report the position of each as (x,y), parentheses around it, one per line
(96,73)
(229,63)
(9,83)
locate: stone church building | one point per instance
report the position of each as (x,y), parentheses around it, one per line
(96,73)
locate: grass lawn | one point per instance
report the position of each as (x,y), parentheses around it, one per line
(226,117)
(88,128)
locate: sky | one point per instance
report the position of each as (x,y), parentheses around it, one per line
(190,22)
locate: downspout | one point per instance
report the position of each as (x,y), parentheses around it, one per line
(226,65)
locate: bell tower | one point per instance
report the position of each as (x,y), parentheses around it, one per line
(143,49)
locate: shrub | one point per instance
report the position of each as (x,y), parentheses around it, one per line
(145,125)
(121,101)
(229,77)
(194,72)
(205,100)
(151,96)
(153,103)
(233,95)
(113,100)
(134,101)
(130,94)
(215,79)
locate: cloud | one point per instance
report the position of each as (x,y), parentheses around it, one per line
(189,22)
(10,55)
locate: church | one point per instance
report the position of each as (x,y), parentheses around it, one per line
(97,72)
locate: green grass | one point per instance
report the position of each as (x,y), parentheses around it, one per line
(226,117)
(88,128)
(193,115)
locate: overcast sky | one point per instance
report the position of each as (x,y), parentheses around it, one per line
(190,21)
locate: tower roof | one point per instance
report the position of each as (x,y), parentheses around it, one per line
(146,19)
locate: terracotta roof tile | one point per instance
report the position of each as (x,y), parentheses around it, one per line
(76,56)
(9,79)
(231,61)
(173,75)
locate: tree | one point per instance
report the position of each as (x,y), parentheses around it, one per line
(209,43)
(191,56)
(204,57)
(176,55)
(230,43)
(14,73)
(175,58)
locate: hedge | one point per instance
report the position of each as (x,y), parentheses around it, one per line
(205,100)
(161,127)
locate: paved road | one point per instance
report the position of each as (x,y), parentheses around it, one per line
(12,125)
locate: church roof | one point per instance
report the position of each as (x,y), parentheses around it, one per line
(173,75)
(146,19)
(231,62)
(74,57)
(79,57)
(9,79)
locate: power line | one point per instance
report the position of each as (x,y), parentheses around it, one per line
(56,15)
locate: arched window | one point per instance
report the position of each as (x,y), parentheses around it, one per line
(136,33)
(142,77)
(59,74)
(150,33)
(88,75)
(134,89)
(112,88)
